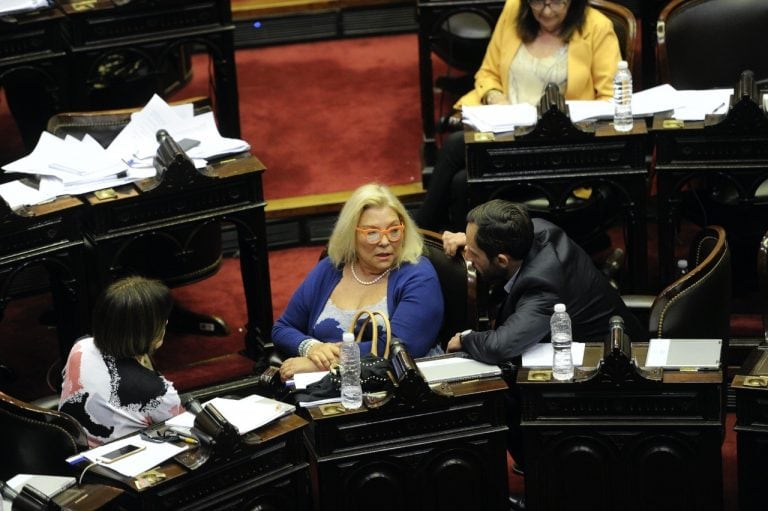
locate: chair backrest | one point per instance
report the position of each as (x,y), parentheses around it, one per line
(698,304)
(762,280)
(37,440)
(625,26)
(703,44)
(458,283)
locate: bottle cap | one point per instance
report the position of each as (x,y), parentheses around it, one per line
(348,337)
(682,263)
(559,307)
(623,64)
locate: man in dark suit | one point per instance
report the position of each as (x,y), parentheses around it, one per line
(538,266)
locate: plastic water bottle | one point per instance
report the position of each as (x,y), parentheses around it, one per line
(622,98)
(351,391)
(682,267)
(560,327)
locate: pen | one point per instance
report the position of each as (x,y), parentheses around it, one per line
(718,107)
(187,439)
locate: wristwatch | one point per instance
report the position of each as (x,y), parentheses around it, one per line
(462,334)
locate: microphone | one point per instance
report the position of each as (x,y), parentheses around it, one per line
(617,331)
(193,406)
(161,135)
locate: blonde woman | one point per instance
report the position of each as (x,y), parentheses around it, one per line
(374,262)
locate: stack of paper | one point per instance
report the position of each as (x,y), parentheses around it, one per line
(686,105)
(71,167)
(245,414)
(499,118)
(48,485)
(455,368)
(541,354)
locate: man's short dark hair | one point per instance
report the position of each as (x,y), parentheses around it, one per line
(503,227)
(130,316)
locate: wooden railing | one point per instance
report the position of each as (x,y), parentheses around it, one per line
(250,8)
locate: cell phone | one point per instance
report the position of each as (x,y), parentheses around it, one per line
(120,453)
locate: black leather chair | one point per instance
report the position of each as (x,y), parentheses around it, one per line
(37,440)
(698,304)
(704,44)
(459,284)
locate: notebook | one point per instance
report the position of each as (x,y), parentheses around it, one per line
(455,368)
(49,485)
(677,353)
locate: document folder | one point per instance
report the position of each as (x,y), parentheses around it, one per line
(684,353)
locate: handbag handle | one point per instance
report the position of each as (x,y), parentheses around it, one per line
(371,318)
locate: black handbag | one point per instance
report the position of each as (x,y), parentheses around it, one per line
(375,370)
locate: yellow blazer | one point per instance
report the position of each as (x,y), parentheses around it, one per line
(593,57)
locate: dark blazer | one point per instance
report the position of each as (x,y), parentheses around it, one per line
(556,270)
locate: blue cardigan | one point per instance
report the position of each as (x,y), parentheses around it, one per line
(414,304)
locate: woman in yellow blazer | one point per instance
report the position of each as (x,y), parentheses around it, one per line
(535,42)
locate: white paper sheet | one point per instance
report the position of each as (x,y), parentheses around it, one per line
(153,454)
(540,355)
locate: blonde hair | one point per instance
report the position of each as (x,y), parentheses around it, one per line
(341,245)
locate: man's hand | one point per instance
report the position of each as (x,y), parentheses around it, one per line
(454,344)
(324,354)
(453,241)
(297,365)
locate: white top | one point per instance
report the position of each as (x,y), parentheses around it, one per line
(529,75)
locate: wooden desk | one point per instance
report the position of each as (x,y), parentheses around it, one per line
(725,156)
(104,37)
(616,441)
(175,210)
(33,69)
(98,55)
(557,157)
(751,389)
(48,236)
(267,471)
(441,458)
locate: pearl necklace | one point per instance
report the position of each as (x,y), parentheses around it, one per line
(370,282)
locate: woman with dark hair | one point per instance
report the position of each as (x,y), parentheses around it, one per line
(535,42)
(109,385)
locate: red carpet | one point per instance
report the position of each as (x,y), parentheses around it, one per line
(328,116)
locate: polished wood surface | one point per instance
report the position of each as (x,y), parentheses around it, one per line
(48,236)
(441,457)
(631,439)
(175,209)
(267,470)
(724,160)
(554,158)
(751,389)
(316,204)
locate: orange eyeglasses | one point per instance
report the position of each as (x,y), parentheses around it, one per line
(373,235)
